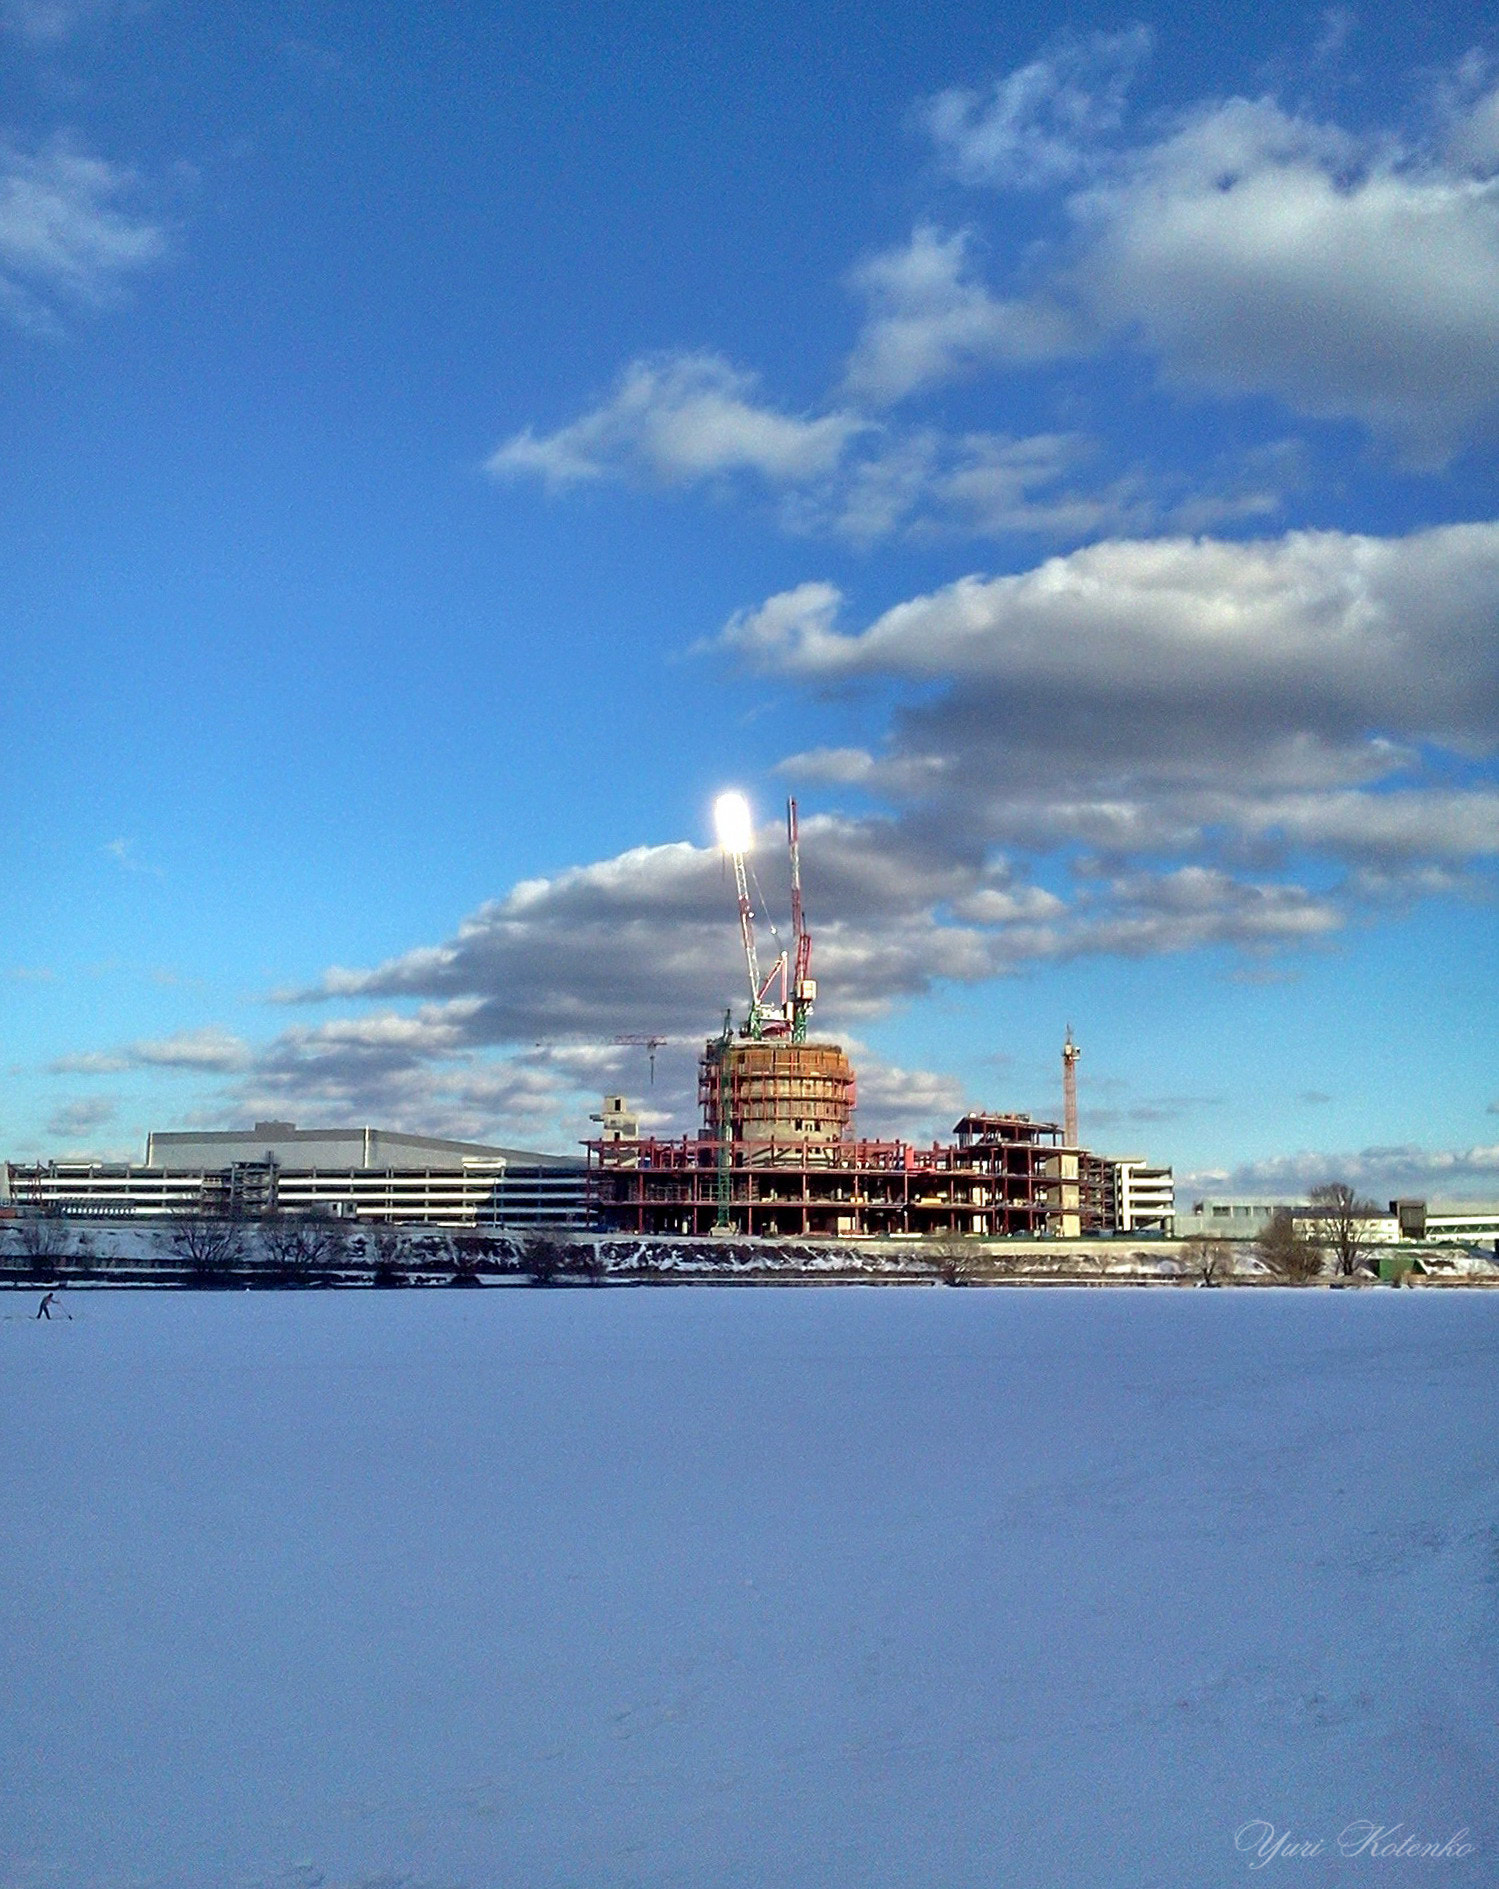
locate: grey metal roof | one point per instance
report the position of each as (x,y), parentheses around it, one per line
(364,1147)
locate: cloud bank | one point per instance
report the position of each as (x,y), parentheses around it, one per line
(1181,696)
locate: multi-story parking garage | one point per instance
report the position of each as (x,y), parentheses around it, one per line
(356,1173)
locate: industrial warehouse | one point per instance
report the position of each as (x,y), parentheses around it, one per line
(776,1156)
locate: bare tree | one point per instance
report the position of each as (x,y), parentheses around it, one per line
(210,1246)
(297,1244)
(389,1251)
(955,1261)
(470,1251)
(281,1242)
(547,1259)
(584,1261)
(1290,1253)
(43,1238)
(1342,1222)
(1207,1260)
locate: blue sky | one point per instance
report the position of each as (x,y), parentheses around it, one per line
(445,451)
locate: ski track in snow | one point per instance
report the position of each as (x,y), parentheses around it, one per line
(779,1589)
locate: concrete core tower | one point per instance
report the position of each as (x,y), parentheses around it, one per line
(784,1100)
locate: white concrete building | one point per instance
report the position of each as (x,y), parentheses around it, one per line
(1144,1196)
(356,1173)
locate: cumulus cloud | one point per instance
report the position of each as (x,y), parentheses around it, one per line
(416,1073)
(916,1104)
(682,420)
(1194,906)
(644,942)
(680,417)
(932,320)
(1454,1174)
(70,233)
(210,1050)
(1257,251)
(1388,628)
(1041,124)
(506,1031)
(1250,248)
(1246,248)
(1177,695)
(1236,706)
(1472,131)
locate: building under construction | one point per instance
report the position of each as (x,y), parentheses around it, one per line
(777,1154)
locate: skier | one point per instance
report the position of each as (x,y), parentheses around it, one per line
(44,1310)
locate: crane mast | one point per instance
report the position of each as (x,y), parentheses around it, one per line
(803,988)
(747,927)
(1070,1054)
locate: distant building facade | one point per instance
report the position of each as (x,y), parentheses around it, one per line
(1142,1198)
(355,1173)
(1407,1220)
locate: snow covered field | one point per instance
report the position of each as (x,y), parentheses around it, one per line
(782,1589)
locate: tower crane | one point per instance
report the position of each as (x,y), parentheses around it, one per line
(803,985)
(785,1013)
(650,1044)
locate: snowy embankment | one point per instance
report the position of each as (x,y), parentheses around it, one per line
(746,1590)
(334,1253)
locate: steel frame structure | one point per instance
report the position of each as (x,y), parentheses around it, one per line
(1004,1175)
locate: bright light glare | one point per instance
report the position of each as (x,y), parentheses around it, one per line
(735,823)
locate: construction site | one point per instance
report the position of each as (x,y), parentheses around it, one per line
(778,1155)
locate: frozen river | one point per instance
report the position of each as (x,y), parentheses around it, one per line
(770,1589)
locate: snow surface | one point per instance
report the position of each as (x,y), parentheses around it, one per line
(782,1588)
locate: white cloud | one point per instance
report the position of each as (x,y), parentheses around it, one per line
(1249,248)
(1451,824)
(1452,1174)
(417,1072)
(1219,709)
(1042,123)
(931,320)
(1256,251)
(207,1049)
(1466,112)
(646,942)
(1324,635)
(1196,906)
(690,419)
(680,417)
(68,233)
(916,1104)
(512,1032)
(683,420)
